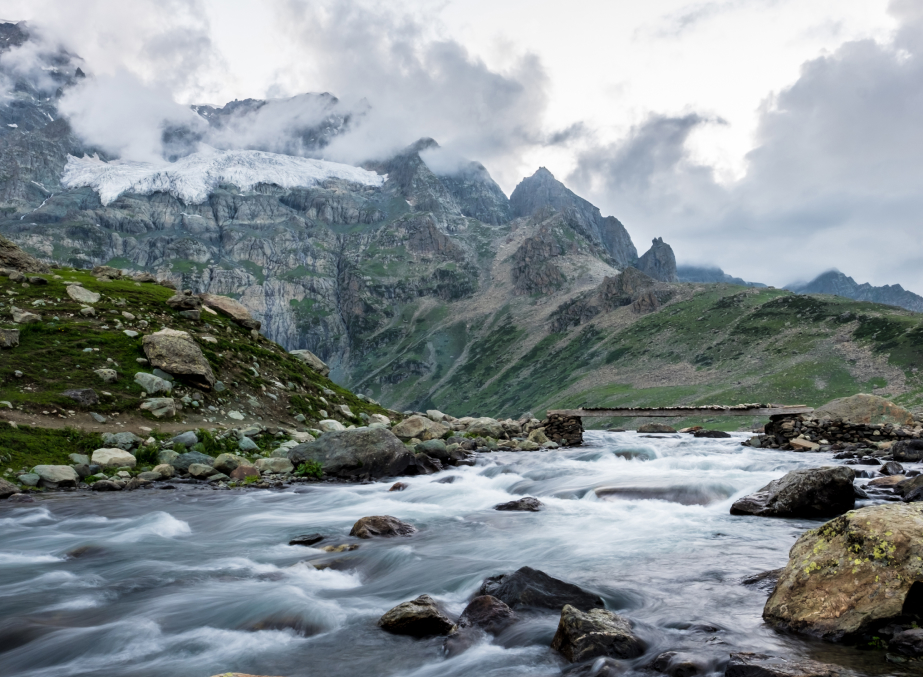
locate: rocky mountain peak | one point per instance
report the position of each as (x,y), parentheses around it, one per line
(659,262)
(543,190)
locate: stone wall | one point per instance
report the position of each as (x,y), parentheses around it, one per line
(564,430)
(805,433)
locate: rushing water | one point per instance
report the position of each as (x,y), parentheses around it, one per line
(196,582)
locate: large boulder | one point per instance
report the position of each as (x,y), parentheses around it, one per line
(381,525)
(228,463)
(312,361)
(7,489)
(597,632)
(813,492)
(907,450)
(487,613)
(228,307)
(485,427)
(373,451)
(530,587)
(57,475)
(865,409)
(852,575)
(113,458)
(419,427)
(419,617)
(159,407)
(176,353)
(761,665)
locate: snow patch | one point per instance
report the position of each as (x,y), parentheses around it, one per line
(194,177)
(14,126)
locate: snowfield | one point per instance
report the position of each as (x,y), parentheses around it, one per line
(194,177)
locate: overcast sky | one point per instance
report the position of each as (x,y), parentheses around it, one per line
(774,138)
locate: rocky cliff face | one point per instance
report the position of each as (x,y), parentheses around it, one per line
(659,261)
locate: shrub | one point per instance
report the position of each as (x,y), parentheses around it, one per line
(310,468)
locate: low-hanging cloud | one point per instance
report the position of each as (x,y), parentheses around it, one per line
(833,181)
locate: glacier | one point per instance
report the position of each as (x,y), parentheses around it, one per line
(194,177)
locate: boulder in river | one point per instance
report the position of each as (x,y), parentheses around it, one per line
(656,428)
(525,504)
(852,575)
(419,618)
(381,525)
(7,489)
(907,642)
(713,434)
(306,540)
(528,587)
(376,452)
(907,450)
(597,632)
(57,475)
(813,492)
(864,408)
(488,613)
(760,665)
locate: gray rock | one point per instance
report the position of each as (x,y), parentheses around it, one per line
(164,375)
(9,338)
(761,665)
(99,418)
(312,361)
(907,642)
(106,485)
(7,489)
(153,384)
(381,526)
(159,407)
(113,458)
(165,470)
(530,587)
(891,468)
(183,461)
(418,618)
(656,428)
(149,476)
(597,632)
(107,375)
(177,353)
(219,387)
(188,439)
(274,465)
(126,440)
(24,316)
(82,396)
(373,451)
(167,456)
(813,492)
(306,540)
(201,470)
(434,449)
(907,450)
(525,504)
(57,475)
(79,459)
(29,479)
(82,295)
(228,463)
(246,444)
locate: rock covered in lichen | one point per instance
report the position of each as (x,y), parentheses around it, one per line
(852,575)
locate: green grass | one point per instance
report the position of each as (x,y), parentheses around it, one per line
(28,447)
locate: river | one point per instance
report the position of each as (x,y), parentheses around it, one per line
(196,582)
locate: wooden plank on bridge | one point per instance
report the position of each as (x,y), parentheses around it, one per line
(710,410)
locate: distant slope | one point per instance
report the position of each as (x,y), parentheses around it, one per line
(836,283)
(710,274)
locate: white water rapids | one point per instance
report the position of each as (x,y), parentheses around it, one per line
(196,582)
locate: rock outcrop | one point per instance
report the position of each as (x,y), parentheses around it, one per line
(865,409)
(813,492)
(659,262)
(853,575)
(371,452)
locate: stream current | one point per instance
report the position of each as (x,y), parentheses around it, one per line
(196,582)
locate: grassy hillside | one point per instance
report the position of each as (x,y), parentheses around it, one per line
(716,344)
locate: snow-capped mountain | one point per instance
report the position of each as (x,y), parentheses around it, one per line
(194,177)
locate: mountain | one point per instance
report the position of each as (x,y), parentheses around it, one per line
(710,274)
(836,283)
(426,287)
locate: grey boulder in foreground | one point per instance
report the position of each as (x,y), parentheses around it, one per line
(584,635)
(419,618)
(376,452)
(814,492)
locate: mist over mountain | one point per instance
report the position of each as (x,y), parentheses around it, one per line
(687,273)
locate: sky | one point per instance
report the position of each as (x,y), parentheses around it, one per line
(774,138)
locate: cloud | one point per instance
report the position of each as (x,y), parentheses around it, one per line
(833,180)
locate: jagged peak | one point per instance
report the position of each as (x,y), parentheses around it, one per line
(418,146)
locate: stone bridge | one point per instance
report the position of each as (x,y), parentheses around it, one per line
(565,426)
